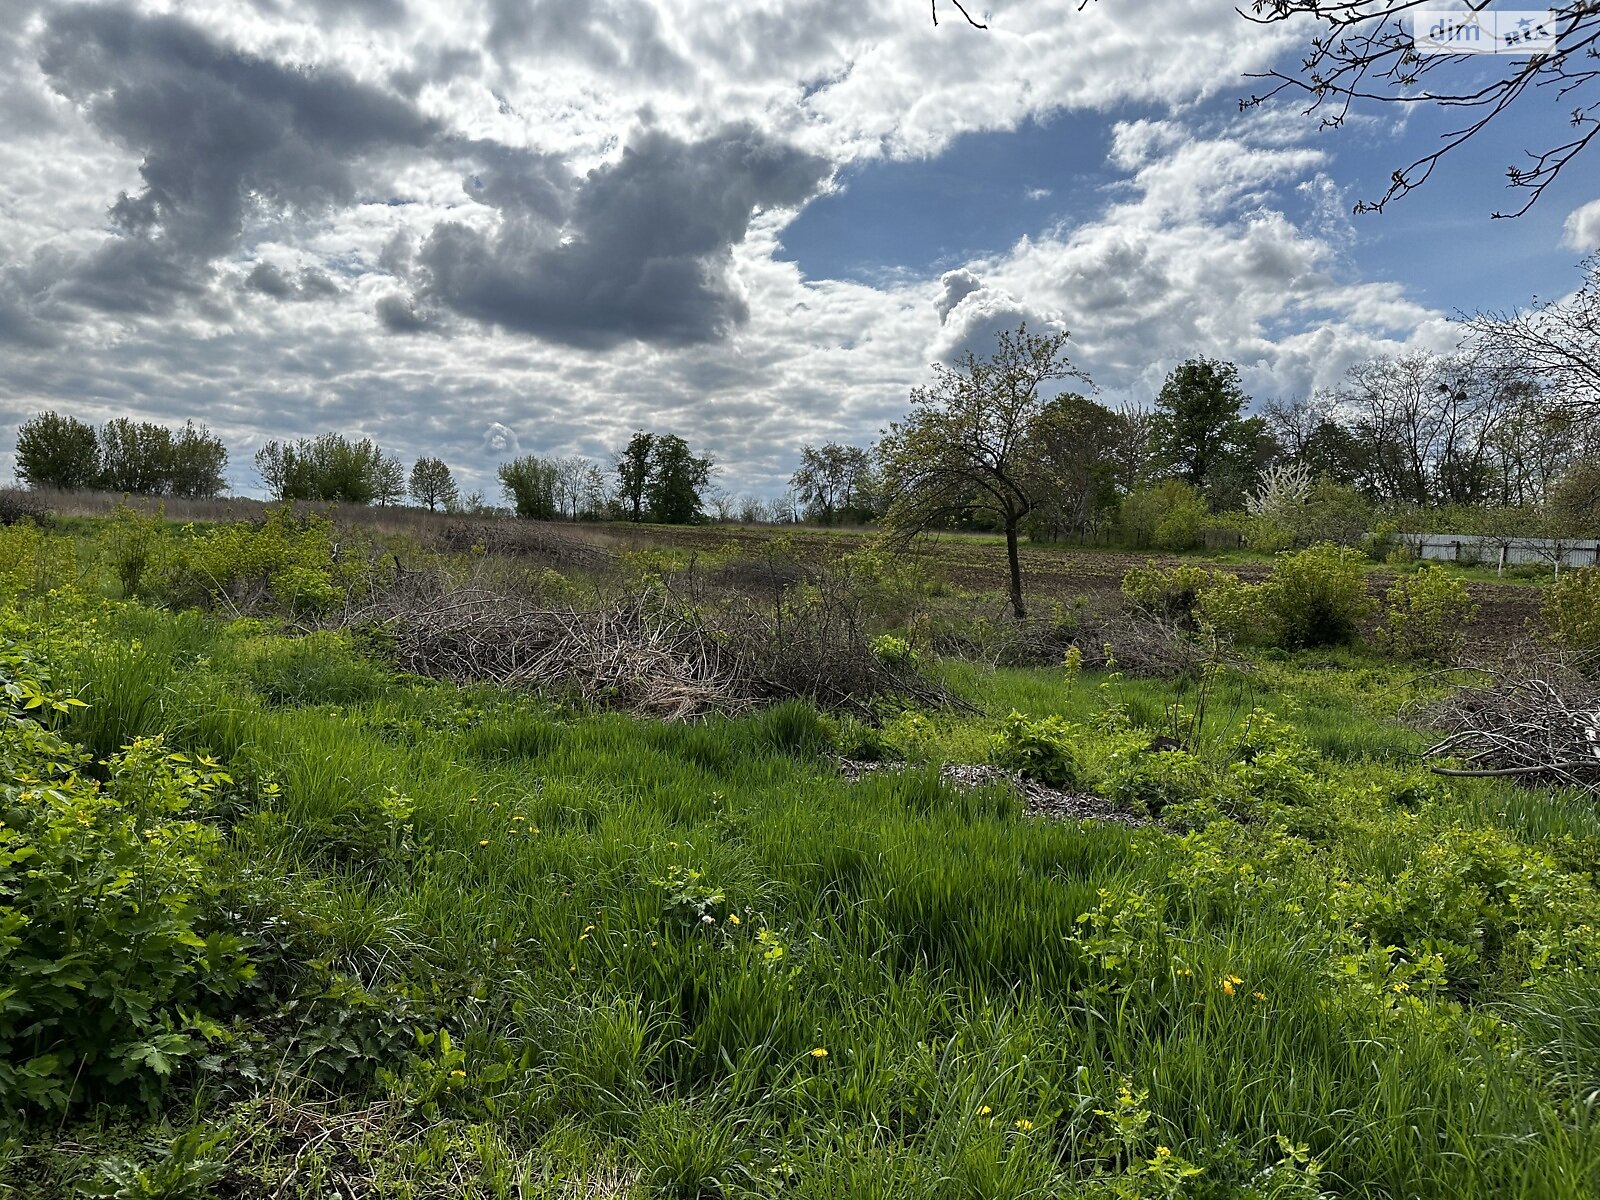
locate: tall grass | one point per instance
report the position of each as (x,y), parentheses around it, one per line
(692,958)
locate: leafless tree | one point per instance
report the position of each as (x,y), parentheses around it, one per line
(1364,51)
(1557,341)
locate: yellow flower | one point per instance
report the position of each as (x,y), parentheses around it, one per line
(1024,1124)
(1163,1152)
(1185,971)
(819,1052)
(483,841)
(985,1111)
(1261,996)
(1229,982)
(458,1074)
(733,919)
(519,818)
(1401,986)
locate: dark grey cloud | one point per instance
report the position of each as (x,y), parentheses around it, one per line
(640,249)
(310,284)
(221,133)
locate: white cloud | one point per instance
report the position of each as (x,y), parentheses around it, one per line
(1582,229)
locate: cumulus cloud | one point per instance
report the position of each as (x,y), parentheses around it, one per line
(221,135)
(972,316)
(643,252)
(1582,229)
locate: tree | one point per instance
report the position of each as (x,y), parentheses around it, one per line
(432,484)
(971,443)
(1557,342)
(57,452)
(1365,53)
(530,485)
(1197,432)
(135,457)
(678,480)
(835,483)
(273,462)
(633,473)
(1077,442)
(198,463)
(329,468)
(389,482)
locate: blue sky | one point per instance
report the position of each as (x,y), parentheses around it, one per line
(492,227)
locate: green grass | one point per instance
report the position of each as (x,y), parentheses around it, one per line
(534,881)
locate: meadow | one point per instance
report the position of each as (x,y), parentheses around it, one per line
(279,919)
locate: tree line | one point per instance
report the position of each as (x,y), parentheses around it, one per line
(123,455)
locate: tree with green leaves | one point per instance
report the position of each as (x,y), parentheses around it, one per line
(198,463)
(677,483)
(1196,427)
(633,474)
(58,452)
(329,467)
(972,443)
(432,484)
(389,483)
(134,456)
(531,484)
(836,483)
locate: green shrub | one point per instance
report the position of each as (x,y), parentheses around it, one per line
(132,545)
(1038,749)
(1235,609)
(1317,597)
(1149,781)
(1426,616)
(1571,611)
(893,650)
(1168,593)
(1167,516)
(285,565)
(112,970)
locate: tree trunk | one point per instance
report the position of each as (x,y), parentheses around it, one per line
(1016,570)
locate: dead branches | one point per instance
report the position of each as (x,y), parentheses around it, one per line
(1539,725)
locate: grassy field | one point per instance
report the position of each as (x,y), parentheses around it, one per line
(328,930)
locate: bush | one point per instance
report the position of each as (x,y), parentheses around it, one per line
(1571,611)
(1316,597)
(284,565)
(113,972)
(1426,616)
(1149,781)
(1168,516)
(19,504)
(1171,594)
(1038,749)
(1235,609)
(132,544)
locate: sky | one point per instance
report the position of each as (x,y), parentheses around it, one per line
(482,228)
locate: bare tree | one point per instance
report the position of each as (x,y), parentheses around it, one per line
(1557,341)
(1364,51)
(970,445)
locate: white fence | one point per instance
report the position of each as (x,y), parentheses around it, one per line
(1503,552)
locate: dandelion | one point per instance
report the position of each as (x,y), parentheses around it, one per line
(483,841)
(819,1052)
(733,919)
(1024,1124)
(458,1074)
(1260,997)
(985,1111)
(1229,982)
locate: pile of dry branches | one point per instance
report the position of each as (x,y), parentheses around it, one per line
(642,651)
(1538,723)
